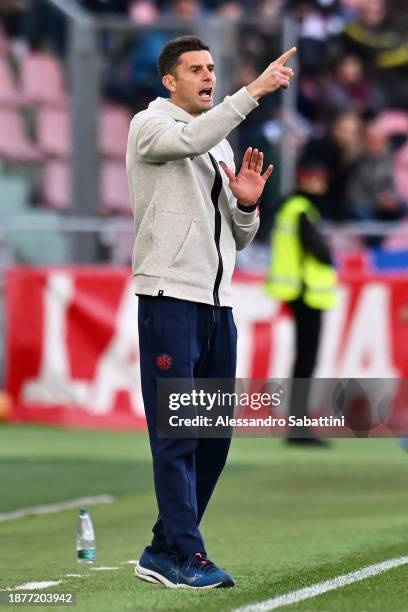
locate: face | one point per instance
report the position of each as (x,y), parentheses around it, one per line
(350,70)
(375,142)
(187,9)
(314,182)
(346,130)
(372,12)
(192,86)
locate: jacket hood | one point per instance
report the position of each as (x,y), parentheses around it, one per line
(171,110)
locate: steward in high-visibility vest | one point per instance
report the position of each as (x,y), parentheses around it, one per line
(302,275)
(295,272)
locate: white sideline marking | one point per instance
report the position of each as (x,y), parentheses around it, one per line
(31,586)
(49,583)
(67,505)
(323,587)
(76,575)
(131,562)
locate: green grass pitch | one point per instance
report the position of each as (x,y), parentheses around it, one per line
(281,519)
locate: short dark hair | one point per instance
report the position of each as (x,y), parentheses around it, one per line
(170,54)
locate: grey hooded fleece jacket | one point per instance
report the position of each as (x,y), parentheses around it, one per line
(187,224)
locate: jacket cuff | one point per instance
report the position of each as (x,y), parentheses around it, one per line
(243,102)
(246,209)
(244,218)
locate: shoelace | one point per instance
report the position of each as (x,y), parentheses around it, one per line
(201,562)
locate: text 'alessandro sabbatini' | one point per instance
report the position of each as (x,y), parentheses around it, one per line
(269,421)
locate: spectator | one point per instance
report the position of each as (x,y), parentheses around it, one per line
(302,275)
(339,150)
(143,11)
(185,9)
(371,190)
(134,80)
(382,45)
(349,89)
(252,131)
(316,26)
(45,26)
(106,6)
(230,9)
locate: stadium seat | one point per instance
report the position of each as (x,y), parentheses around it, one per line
(42,79)
(114,129)
(393,122)
(114,188)
(398,240)
(54,132)
(14,144)
(56,188)
(13,196)
(9,93)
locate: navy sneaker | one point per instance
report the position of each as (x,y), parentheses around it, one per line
(157,568)
(198,572)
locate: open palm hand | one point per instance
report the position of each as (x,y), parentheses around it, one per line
(249,184)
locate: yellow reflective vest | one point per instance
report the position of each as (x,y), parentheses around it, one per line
(293,271)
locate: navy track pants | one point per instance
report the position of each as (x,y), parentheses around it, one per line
(182,339)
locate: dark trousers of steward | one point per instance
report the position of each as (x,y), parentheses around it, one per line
(186,340)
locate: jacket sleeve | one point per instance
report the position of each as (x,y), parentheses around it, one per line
(159,138)
(312,241)
(245,226)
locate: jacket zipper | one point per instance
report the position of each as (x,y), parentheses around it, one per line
(215,193)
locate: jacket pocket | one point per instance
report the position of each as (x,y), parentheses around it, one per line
(186,249)
(170,232)
(196,261)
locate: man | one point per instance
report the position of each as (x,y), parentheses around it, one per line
(303,276)
(371,191)
(188,226)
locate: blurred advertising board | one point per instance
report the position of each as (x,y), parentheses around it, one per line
(72,354)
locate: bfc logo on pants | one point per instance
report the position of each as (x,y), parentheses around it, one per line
(164,362)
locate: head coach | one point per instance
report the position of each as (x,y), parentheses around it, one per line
(191,213)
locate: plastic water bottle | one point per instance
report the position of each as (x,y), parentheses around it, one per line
(85,543)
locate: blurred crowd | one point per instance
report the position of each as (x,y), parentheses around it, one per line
(352,106)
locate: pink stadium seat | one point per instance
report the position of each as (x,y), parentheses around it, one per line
(54,132)
(393,122)
(114,188)
(114,129)
(42,79)
(14,144)
(9,94)
(56,186)
(398,240)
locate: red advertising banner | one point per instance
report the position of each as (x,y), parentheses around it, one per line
(72,342)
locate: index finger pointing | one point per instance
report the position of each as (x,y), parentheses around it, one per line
(286,56)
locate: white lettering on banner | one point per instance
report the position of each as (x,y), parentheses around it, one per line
(54,386)
(362,351)
(331,336)
(281,357)
(118,368)
(367,350)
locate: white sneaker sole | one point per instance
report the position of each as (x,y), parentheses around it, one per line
(153,577)
(196,588)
